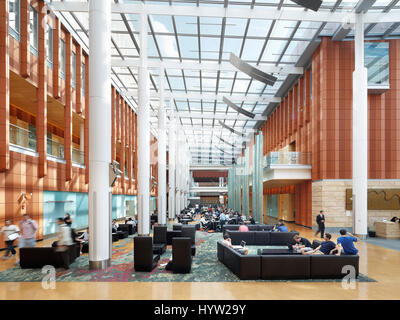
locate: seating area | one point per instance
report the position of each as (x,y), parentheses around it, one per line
(282,267)
(261,237)
(38,257)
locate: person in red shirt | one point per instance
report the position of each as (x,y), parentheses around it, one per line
(243,228)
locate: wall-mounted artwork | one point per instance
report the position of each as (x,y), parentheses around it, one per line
(378,199)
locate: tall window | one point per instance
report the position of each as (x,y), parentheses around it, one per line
(34,29)
(73,75)
(83,80)
(62,59)
(49,46)
(14,18)
(376,60)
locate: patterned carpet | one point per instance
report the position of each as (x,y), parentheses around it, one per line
(205,267)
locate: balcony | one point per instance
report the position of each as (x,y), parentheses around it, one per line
(286,168)
(78,157)
(22,140)
(55,151)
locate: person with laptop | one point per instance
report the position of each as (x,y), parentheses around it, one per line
(242,249)
(299,243)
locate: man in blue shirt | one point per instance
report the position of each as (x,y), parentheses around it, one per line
(326,247)
(280,227)
(346,242)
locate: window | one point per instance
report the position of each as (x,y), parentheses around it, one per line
(34,30)
(49,46)
(73,67)
(14,18)
(376,55)
(62,59)
(83,80)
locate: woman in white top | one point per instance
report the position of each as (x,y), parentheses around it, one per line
(11,232)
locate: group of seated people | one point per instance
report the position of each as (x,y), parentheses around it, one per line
(344,245)
(221,216)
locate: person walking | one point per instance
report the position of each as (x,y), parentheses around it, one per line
(28,228)
(321,223)
(11,232)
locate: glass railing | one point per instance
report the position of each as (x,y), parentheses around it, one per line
(22,137)
(78,156)
(55,149)
(287,158)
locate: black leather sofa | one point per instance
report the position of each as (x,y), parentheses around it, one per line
(261,237)
(189,231)
(181,255)
(245,267)
(269,267)
(177,226)
(144,259)
(130,228)
(38,257)
(122,234)
(173,234)
(252,227)
(159,239)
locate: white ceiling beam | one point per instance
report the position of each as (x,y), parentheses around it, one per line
(291,14)
(203,66)
(208,97)
(218,116)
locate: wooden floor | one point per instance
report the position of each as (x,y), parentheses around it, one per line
(377,262)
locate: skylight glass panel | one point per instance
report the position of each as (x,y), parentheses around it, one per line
(258,28)
(252,49)
(189,47)
(210,48)
(210,25)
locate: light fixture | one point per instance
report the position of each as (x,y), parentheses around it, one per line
(309,4)
(252,71)
(238,109)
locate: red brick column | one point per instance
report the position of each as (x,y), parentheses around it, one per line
(4,87)
(68,109)
(41,105)
(24,42)
(56,55)
(78,87)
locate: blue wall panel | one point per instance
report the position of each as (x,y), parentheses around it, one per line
(57,203)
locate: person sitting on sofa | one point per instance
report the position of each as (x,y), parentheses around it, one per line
(228,242)
(252,220)
(326,247)
(63,235)
(114,226)
(280,227)
(299,243)
(204,223)
(83,238)
(346,243)
(243,227)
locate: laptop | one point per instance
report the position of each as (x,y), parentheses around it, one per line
(241,246)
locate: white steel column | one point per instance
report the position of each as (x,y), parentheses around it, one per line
(162,166)
(143,134)
(360,132)
(178,171)
(171,165)
(99,134)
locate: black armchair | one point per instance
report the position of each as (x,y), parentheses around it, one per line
(181,255)
(144,259)
(159,239)
(189,231)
